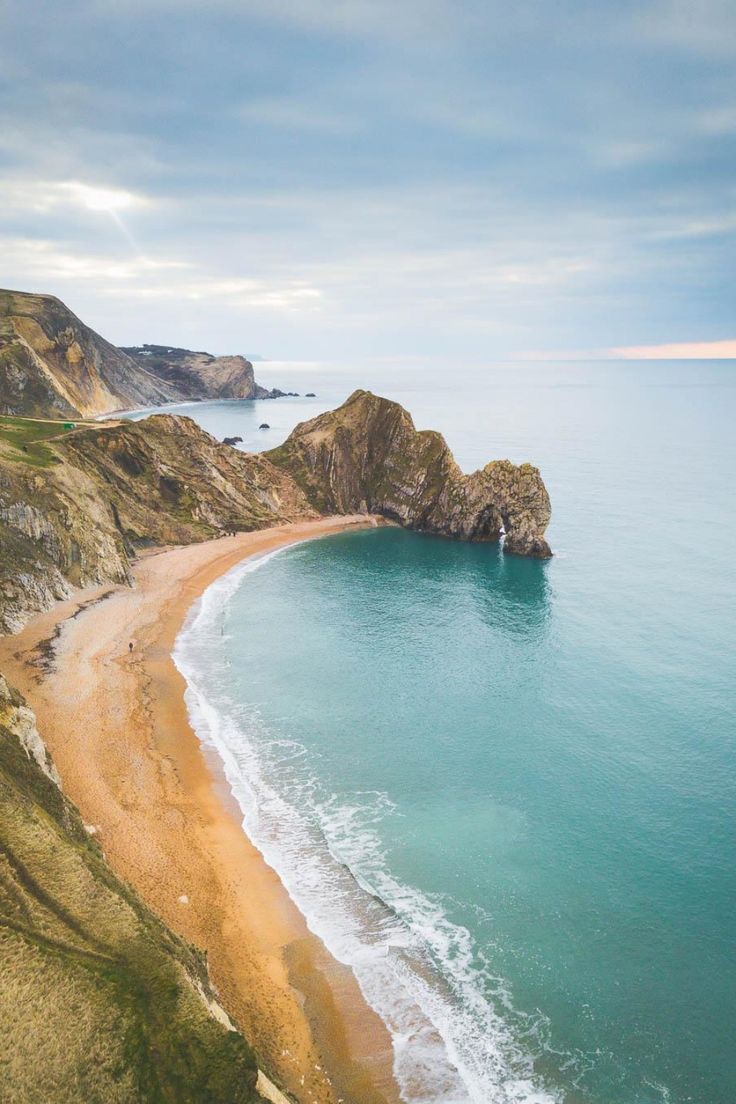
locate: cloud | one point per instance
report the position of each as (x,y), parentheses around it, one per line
(46,195)
(707,27)
(292,114)
(34,259)
(719,120)
(328,175)
(42,263)
(682,350)
(382,19)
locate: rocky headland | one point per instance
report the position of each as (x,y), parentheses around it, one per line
(367,456)
(76,514)
(200,375)
(53,365)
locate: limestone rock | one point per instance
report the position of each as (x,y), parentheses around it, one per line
(116,489)
(366,456)
(52,365)
(199,375)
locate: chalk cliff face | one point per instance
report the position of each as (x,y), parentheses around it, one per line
(367,456)
(194,375)
(99,999)
(52,365)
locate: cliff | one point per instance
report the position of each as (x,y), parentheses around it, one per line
(75,507)
(75,513)
(99,1000)
(199,375)
(366,456)
(52,365)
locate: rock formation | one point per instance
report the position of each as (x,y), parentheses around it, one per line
(99,999)
(193,375)
(367,456)
(111,490)
(52,365)
(75,513)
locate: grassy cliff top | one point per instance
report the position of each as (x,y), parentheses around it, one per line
(27,437)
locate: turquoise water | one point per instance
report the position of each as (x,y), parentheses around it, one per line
(503,790)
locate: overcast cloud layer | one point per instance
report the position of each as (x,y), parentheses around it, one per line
(464,178)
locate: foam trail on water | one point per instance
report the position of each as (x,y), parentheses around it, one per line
(417,969)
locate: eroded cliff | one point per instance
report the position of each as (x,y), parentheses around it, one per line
(200,375)
(367,456)
(53,365)
(103,493)
(76,507)
(99,1000)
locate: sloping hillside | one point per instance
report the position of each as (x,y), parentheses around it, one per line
(102,493)
(52,365)
(99,1001)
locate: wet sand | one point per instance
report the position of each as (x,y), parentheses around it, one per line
(117,727)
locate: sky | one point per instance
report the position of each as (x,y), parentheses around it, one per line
(315,179)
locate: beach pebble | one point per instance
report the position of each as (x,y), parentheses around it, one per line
(183,900)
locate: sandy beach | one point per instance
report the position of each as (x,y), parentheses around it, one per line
(116,725)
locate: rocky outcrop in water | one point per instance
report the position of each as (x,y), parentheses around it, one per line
(99,999)
(200,375)
(366,456)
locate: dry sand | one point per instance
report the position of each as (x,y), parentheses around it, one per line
(117,727)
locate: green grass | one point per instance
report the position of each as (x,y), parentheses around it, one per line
(27,436)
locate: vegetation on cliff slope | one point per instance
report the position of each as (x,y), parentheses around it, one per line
(99,1001)
(27,437)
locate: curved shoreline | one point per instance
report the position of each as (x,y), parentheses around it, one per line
(117,726)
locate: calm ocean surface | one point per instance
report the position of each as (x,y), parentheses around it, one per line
(503,790)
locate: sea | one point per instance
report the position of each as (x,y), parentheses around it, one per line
(503,790)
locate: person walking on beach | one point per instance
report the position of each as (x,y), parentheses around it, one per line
(130,646)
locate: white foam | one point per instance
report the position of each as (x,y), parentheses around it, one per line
(417,969)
